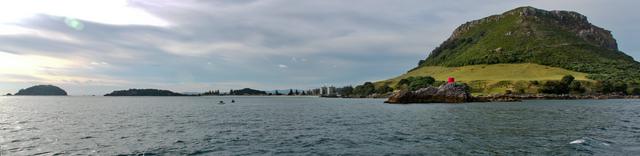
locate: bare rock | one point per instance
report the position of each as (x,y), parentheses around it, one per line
(448,93)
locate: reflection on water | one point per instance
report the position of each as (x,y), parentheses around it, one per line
(308,126)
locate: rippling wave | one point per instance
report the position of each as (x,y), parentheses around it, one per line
(313,126)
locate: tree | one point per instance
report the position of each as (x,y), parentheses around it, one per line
(561,87)
(384,89)
(415,83)
(635,91)
(421,82)
(607,87)
(567,79)
(576,87)
(365,89)
(404,81)
(346,91)
(297,93)
(554,87)
(277,93)
(620,87)
(290,92)
(520,87)
(303,93)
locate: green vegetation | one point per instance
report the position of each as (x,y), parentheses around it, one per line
(528,35)
(42,90)
(635,91)
(143,92)
(529,51)
(608,87)
(564,86)
(495,72)
(364,90)
(415,83)
(211,92)
(483,76)
(247,91)
(345,91)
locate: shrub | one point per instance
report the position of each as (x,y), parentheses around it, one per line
(365,89)
(521,87)
(635,91)
(576,87)
(384,89)
(554,87)
(508,91)
(415,83)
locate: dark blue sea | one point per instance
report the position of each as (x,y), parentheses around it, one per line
(313,126)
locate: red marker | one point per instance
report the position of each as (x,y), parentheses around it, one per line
(451,80)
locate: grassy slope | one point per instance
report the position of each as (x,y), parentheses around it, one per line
(531,40)
(490,73)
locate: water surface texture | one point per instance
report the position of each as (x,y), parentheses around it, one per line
(313,126)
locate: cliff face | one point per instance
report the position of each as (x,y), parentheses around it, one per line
(562,39)
(42,90)
(570,21)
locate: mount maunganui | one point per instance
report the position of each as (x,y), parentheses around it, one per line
(561,39)
(526,44)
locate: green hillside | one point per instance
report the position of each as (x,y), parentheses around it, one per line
(528,35)
(491,73)
(527,51)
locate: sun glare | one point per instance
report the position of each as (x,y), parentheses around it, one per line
(30,65)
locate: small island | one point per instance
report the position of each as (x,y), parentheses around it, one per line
(144,92)
(42,90)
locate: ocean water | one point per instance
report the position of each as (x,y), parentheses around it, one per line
(313,126)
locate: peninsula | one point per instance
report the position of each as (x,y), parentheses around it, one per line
(527,52)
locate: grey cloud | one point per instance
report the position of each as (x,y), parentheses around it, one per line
(221,43)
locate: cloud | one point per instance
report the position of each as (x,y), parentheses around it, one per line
(186,44)
(116,12)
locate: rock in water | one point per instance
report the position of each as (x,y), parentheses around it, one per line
(42,90)
(448,93)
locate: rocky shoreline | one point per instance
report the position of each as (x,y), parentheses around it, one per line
(459,93)
(447,93)
(509,98)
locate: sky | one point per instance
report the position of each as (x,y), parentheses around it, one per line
(92,47)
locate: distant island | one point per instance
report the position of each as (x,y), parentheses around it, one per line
(144,92)
(42,90)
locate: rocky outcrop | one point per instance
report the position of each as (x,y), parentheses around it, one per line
(48,90)
(448,93)
(569,20)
